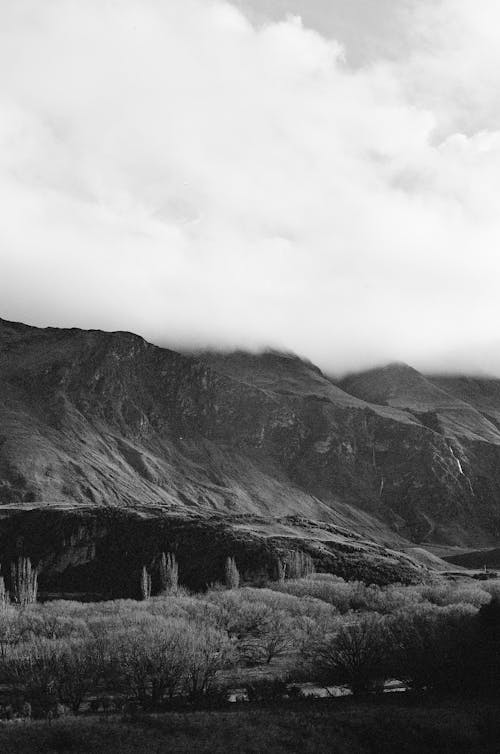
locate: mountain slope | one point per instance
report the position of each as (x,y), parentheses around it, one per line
(93,421)
(403,387)
(480,392)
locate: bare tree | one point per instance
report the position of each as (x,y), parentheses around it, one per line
(232,574)
(356,655)
(169,573)
(76,672)
(36,668)
(277,636)
(151,660)
(208,653)
(4,595)
(280,570)
(145,583)
(24,582)
(299,564)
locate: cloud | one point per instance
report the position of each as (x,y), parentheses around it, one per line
(189,173)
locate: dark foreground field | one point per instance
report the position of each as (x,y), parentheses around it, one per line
(389,725)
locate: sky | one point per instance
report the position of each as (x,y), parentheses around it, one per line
(320,176)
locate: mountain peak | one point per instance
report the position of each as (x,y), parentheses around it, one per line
(396,384)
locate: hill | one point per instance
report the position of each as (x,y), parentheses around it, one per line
(94,424)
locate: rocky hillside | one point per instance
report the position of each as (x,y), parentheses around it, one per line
(93,421)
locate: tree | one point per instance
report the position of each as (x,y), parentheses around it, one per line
(432,645)
(300,564)
(145,583)
(152,659)
(489,619)
(357,655)
(4,595)
(208,652)
(280,571)
(23,581)
(169,573)
(277,637)
(162,658)
(232,574)
(484,660)
(76,673)
(36,668)
(240,619)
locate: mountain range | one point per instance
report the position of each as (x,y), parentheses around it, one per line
(112,449)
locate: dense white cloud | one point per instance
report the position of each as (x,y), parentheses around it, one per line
(194,173)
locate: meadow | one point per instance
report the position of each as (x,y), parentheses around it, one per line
(347,726)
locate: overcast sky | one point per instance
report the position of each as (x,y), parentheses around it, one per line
(321,176)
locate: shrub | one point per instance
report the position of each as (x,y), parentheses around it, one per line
(161,658)
(357,655)
(343,595)
(42,622)
(484,660)
(10,630)
(78,670)
(454,594)
(261,629)
(207,654)
(277,635)
(430,645)
(177,645)
(35,667)
(149,661)
(294,606)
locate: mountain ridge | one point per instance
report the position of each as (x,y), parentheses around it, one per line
(107,420)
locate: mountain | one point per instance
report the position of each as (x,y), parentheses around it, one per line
(460,410)
(103,433)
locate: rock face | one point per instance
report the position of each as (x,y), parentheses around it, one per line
(108,422)
(102,551)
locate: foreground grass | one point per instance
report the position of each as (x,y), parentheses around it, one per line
(390,725)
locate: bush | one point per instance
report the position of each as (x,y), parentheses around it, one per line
(35,667)
(454,594)
(175,646)
(10,629)
(277,635)
(295,607)
(431,644)
(264,624)
(208,652)
(357,655)
(160,659)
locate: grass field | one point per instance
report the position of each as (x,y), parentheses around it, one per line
(390,725)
